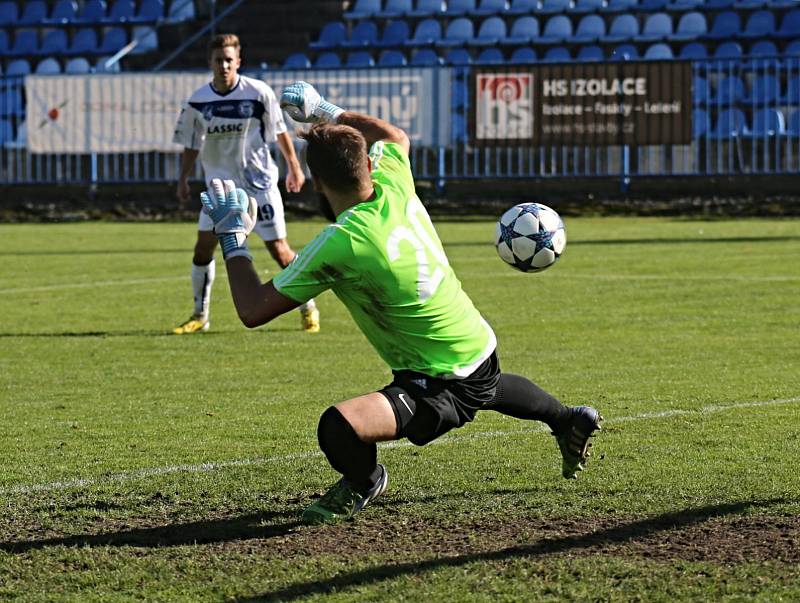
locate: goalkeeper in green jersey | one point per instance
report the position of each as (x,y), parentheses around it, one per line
(382,258)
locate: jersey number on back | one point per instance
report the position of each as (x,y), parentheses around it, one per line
(430,258)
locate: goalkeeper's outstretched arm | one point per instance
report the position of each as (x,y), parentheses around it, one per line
(256,303)
(374,129)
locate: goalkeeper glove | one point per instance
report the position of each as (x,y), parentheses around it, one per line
(304,104)
(234,216)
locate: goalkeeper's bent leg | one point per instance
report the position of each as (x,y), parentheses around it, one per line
(356,460)
(521,398)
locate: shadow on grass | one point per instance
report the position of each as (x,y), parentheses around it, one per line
(246,527)
(621,534)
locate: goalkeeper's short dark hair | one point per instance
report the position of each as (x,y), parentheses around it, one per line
(337,155)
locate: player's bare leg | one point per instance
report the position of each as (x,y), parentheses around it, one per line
(203,273)
(347,434)
(283,254)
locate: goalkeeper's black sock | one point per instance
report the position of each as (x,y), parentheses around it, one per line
(521,398)
(357,461)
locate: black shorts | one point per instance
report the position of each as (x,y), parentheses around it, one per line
(426,407)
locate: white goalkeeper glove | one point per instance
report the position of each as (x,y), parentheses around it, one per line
(304,104)
(234,216)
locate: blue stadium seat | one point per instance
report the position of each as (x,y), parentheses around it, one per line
(730,122)
(792,96)
(297,60)
(488,8)
(591,28)
(392,58)
(557,54)
(363,9)
(522,7)
(793,125)
(54,42)
(553,7)
(328,60)
(524,30)
(6,130)
(691,25)
(11,102)
(92,12)
(715,5)
(523,54)
(763,53)
(764,90)
(84,41)
(792,50)
(730,91)
(625,52)
(651,6)
(150,11)
(459,31)
(622,29)
(48,66)
(781,3)
(590,53)
(330,36)
(557,30)
(581,7)
(360,58)
(395,33)
(658,26)
(760,24)
(425,57)
(426,33)
(490,56)
(767,122)
(64,12)
(114,38)
(726,25)
(425,9)
(120,11)
(684,5)
(101,65)
(18,67)
(694,51)
(77,65)
(728,51)
(458,8)
(458,56)
(3,42)
(619,6)
(700,123)
(701,90)
(9,13)
(790,25)
(146,39)
(491,31)
(34,12)
(364,35)
(180,10)
(743,5)
(26,42)
(394,9)
(659,52)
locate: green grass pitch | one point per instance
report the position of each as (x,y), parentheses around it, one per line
(138,465)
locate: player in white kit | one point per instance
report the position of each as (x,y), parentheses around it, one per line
(229,123)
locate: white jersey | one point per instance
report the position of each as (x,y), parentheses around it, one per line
(232,131)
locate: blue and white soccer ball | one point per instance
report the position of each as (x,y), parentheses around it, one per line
(530,237)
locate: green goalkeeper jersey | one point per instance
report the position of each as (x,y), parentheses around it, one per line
(384,261)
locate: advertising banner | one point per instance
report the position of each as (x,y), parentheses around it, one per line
(118,113)
(644,103)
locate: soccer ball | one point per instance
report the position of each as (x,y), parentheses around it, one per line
(530,237)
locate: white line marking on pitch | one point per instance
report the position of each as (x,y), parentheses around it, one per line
(140,281)
(450,439)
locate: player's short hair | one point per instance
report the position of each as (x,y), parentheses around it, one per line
(224,41)
(337,155)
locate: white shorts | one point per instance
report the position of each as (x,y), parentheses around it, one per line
(271,224)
